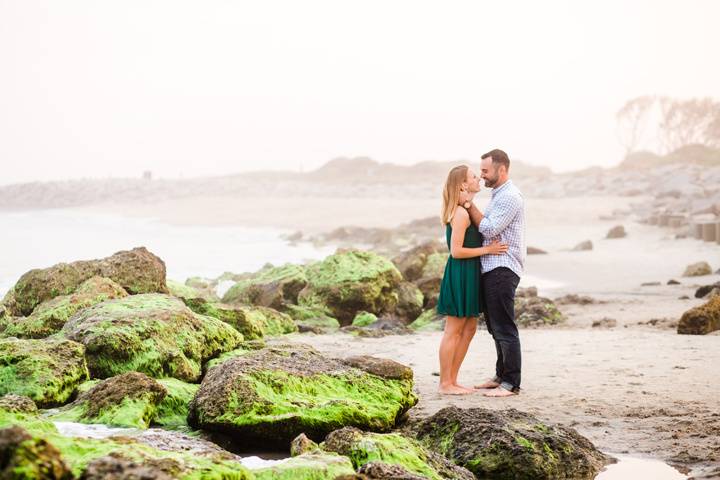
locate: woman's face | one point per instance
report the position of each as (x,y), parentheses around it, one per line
(472,182)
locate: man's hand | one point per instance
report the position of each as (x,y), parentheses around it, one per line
(465,197)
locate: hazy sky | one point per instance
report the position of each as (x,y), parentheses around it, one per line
(103,88)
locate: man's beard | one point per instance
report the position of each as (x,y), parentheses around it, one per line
(490,183)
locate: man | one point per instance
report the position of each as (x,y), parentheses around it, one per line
(504,220)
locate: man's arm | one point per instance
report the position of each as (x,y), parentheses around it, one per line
(502,213)
(476,215)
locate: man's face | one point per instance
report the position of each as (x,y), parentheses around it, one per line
(489,172)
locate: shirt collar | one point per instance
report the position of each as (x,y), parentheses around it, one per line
(501,187)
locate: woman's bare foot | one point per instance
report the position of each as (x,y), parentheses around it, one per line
(499,392)
(453,390)
(487,384)
(468,389)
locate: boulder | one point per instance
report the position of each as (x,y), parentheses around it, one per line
(382,367)
(616,232)
(705,290)
(127,400)
(17,403)
(395,450)
(535,251)
(136,271)
(536,312)
(697,270)
(348,282)
(48,371)
(411,264)
(172,411)
(23,456)
(116,467)
(271,286)
(302,444)
(50,316)
(509,444)
(583,246)
(266,398)
(431,277)
(363,319)
(383,471)
(701,320)
(386,325)
(410,301)
(150,333)
(312,319)
(252,321)
(308,466)
(429,320)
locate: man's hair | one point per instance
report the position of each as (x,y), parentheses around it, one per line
(498,158)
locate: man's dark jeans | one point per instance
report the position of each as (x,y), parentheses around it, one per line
(499,285)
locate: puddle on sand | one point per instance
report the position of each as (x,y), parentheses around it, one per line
(631,468)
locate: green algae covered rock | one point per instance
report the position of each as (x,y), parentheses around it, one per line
(268,397)
(154,334)
(50,316)
(509,444)
(428,321)
(412,263)
(392,449)
(363,319)
(172,411)
(253,322)
(136,271)
(352,281)
(127,400)
(271,286)
(410,302)
(308,466)
(180,290)
(701,320)
(312,318)
(17,403)
(48,371)
(23,456)
(117,467)
(534,311)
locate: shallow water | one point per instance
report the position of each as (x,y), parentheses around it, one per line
(632,468)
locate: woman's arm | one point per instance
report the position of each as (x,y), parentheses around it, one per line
(459,223)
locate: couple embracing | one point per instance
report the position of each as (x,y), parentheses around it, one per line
(487,253)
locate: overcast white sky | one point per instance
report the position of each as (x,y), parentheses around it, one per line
(111,88)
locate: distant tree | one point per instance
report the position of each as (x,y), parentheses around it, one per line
(686,122)
(632,120)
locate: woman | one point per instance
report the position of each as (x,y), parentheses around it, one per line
(460,291)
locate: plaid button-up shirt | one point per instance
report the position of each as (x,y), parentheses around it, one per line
(505,221)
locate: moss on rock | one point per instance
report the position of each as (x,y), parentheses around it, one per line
(172,411)
(17,403)
(268,397)
(352,281)
(154,334)
(48,371)
(24,457)
(363,319)
(271,286)
(308,466)
(252,321)
(312,318)
(701,320)
(534,311)
(428,321)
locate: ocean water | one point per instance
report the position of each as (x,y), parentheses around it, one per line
(42,238)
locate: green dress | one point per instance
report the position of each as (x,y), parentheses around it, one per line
(461,287)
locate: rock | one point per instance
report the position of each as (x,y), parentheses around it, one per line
(432,274)
(382,327)
(381,367)
(384,471)
(312,319)
(363,319)
(704,291)
(616,232)
(411,264)
(252,321)
(308,466)
(115,467)
(48,371)
(136,271)
(24,457)
(50,316)
(429,320)
(509,444)
(183,291)
(410,302)
(273,287)
(583,246)
(17,404)
(127,400)
(650,284)
(575,299)
(535,251)
(302,444)
(536,312)
(392,449)
(604,323)
(265,398)
(697,270)
(172,411)
(151,333)
(348,282)
(673,282)
(701,320)
(526,292)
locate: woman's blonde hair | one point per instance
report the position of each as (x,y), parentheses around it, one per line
(451,192)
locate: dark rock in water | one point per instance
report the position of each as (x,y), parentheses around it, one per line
(650,284)
(48,371)
(50,316)
(536,312)
(394,450)
(273,287)
(382,367)
(151,333)
(351,281)
(24,457)
(252,321)
(605,323)
(136,270)
(535,251)
(410,302)
(701,320)
(127,400)
(509,444)
(115,467)
(673,282)
(17,404)
(616,232)
(583,246)
(575,299)
(698,269)
(703,291)
(266,398)
(684,297)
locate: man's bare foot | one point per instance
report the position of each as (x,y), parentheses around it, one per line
(499,392)
(487,384)
(453,390)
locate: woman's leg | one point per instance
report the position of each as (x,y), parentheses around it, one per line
(448,346)
(466,335)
